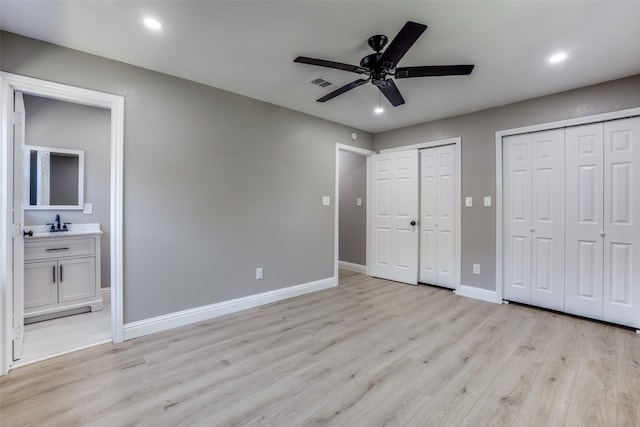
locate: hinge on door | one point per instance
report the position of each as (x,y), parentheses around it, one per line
(16,118)
(16,229)
(17,333)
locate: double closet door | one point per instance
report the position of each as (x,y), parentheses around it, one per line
(413,222)
(534,218)
(582,211)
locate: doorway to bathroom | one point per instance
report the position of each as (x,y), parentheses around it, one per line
(44,321)
(65,188)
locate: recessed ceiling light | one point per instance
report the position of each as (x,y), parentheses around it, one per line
(154,24)
(378,110)
(558,57)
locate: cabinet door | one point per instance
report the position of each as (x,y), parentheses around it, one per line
(584,221)
(77,279)
(40,284)
(622,222)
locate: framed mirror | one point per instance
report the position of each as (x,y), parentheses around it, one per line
(54,178)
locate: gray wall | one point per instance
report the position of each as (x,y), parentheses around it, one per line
(352,218)
(478,155)
(59,124)
(215,184)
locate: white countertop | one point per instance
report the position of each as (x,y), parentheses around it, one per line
(74,230)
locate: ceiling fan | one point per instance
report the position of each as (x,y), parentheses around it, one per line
(380,65)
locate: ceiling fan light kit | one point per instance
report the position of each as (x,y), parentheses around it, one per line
(380,66)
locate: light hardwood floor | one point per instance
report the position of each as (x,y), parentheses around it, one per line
(367,353)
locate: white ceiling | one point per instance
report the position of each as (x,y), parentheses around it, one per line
(248,47)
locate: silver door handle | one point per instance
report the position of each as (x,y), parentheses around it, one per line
(602,234)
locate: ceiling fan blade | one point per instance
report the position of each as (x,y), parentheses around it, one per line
(433,70)
(392,93)
(401,43)
(331,64)
(343,89)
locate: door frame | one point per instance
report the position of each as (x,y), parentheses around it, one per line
(457,141)
(8,84)
(336,197)
(620,114)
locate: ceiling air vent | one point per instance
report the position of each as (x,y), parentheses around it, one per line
(320,82)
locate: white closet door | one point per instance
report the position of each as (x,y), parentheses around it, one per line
(622,222)
(395,207)
(517,217)
(428,216)
(534,218)
(547,219)
(584,221)
(437,211)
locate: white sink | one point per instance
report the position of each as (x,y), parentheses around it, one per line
(74,230)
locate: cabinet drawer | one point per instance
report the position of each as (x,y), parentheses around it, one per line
(58,248)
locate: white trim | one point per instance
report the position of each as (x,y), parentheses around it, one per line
(106,295)
(358,268)
(423,145)
(207,312)
(12,82)
(336,198)
(477,293)
(614,115)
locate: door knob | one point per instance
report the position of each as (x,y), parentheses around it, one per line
(27,233)
(413,223)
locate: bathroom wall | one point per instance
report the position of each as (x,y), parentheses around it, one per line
(215,184)
(352,218)
(59,124)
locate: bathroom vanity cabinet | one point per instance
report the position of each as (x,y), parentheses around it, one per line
(61,273)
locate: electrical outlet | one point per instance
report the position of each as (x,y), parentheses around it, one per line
(326,200)
(88,209)
(468,202)
(358,201)
(487,201)
(259,273)
(476,268)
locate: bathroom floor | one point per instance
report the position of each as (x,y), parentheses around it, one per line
(52,337)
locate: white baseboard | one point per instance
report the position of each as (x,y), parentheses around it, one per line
(199,314)
(478,293)
(106,295)
(352,267)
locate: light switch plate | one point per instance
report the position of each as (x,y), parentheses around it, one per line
(88,209)
(468,202)
(476,268)
(326,200)
(487,201)
(259,273)
(359,202)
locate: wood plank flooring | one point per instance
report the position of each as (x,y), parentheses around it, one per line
(367,353)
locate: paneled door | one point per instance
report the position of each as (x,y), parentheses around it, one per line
(437,216)
(17,242)
(394,201)
(584,222)
(622,222)
(534,218)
